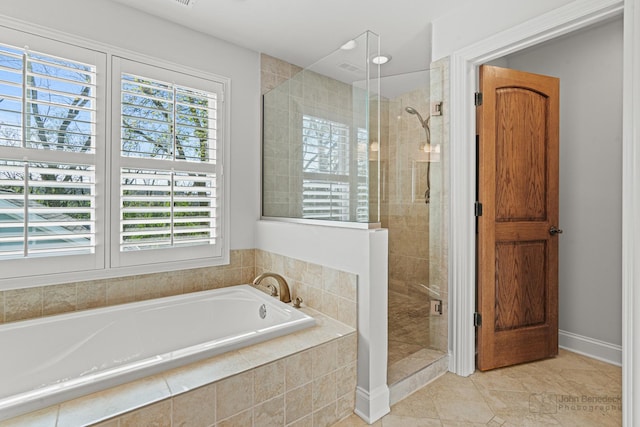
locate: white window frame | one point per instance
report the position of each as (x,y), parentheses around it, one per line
(51,265)
(164,255)
(32,272)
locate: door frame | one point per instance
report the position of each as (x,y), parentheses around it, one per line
(463,72)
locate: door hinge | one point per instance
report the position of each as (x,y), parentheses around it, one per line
(477,319)
(436,108)
(478,209)
(477,99)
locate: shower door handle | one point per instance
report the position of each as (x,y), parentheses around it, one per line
(553,230)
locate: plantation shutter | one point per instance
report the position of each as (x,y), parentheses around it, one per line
(47,155)
(329,173)
(169,175)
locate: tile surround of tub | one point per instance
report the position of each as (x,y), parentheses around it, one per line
(327,290)
(29,303)
(319,373)
(308,378)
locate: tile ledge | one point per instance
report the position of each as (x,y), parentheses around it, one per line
(91,409)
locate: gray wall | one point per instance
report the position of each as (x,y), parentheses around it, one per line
(589,65)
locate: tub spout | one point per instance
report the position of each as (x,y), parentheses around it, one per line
(283,291)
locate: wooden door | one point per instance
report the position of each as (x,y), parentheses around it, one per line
(517,247)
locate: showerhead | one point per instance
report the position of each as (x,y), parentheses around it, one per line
(424,123)
(412,110)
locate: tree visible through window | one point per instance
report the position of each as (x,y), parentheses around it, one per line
(335,183)
(47,163)
(106,184)
(166,201)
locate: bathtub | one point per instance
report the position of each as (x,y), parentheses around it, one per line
(49,360)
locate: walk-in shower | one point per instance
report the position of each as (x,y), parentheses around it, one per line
(338,148)
(410,152)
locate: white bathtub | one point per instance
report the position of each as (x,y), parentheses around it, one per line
(49,360)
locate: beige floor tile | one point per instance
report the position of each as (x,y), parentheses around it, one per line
(526,418)
(587,419)
(446,423)
(499,379)
(355,421)
(400,421)
(503,400)
(417,405)
(531,394)
(462,410)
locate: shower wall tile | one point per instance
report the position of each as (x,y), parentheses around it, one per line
(275,72)
(290,93)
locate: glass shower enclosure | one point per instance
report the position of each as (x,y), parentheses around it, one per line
(344,146)
(411,158)
(317,128)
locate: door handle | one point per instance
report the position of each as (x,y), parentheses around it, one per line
(553,230)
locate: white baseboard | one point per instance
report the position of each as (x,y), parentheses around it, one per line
(372,406)
(596,349)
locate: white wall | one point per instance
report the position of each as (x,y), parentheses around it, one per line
(478,20)
(589,65)
(364,253)
(116,25)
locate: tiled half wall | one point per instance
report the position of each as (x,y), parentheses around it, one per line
(327,290)
(315,387)
(312,388)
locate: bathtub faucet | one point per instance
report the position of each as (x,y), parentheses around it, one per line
(284,293)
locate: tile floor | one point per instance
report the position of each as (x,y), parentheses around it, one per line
(569,390)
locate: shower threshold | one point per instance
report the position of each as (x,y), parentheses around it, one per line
(414,372)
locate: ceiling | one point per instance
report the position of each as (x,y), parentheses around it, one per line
(304,31)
